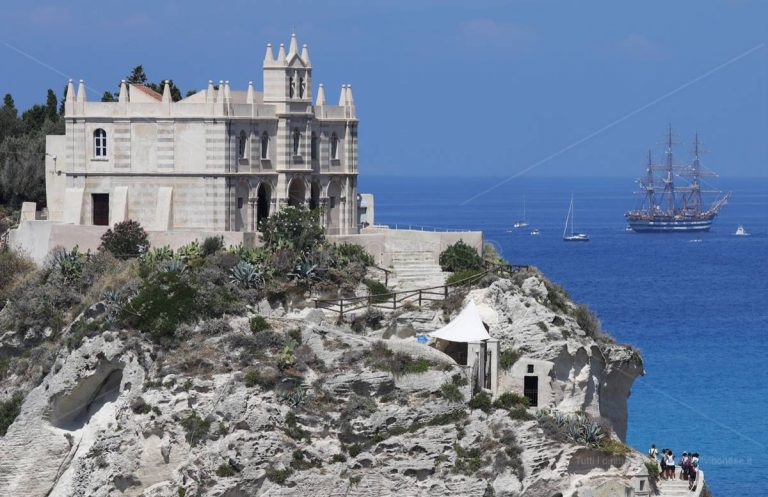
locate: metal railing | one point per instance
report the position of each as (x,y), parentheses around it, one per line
(419,227)
(418,297)
(386,272)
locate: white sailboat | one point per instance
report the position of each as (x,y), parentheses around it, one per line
(573,237)
(523,223)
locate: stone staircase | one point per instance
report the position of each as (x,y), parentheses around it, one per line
(676,487)
(414,270)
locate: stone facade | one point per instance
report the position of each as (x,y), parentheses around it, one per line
(218,160)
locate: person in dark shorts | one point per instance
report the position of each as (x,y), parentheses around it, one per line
(669,463)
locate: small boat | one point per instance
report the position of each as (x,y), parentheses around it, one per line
(523,223)
(740,231)
(695,240)
(573,237)
(628,228)
(535,232)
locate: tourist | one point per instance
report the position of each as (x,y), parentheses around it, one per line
(653,453)
(693,474)
(663,464)
(685,466)
(669,465)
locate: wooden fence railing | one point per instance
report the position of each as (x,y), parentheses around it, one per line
(395,300)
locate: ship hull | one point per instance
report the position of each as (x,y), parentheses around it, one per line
(669,225)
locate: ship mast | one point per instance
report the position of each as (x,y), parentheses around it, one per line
(649,186)
(695,195)
(669,185)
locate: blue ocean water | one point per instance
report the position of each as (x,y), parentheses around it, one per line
(698,311)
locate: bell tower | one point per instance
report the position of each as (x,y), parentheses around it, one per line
(288,78)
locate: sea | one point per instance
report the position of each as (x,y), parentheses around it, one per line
(694,304)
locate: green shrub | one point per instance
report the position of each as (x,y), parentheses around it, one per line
(460,256)
(9,409)
(468,461)
(251,378)
(451,392)
(196,428)
(354,450)
(225,470)
(181,491)
(491,255)
(557,297)
(460,276)
(508,358)
(279,476)
(542,326)
(378,291)
(587,321)
(258,323)
(293,430)
(125,240)
(508,400)
(13,266)
(163,302)
(520,413)
(297,228)
(347,253)
(653,470)
(396,363)
(212,244)
(481,401)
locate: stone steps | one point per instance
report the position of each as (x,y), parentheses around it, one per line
(414,270)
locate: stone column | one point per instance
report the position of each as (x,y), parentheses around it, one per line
(493,356)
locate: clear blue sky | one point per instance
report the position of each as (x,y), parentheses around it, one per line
(446,87)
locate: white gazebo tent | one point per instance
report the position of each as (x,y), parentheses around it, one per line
(466,339)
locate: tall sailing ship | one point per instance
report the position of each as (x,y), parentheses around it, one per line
(668,206)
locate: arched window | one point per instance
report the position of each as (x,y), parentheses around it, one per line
(291,87)
(296,143)
(264,145)
(313,147)
(100,143)
(242,143)
(334,146)
(301,87)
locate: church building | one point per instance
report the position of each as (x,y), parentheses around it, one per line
(218,160)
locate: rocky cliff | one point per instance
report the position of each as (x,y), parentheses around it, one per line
(311,407)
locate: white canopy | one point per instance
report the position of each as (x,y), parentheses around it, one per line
(467,327)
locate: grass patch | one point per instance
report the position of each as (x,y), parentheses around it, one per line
(258,323)
(279,476)
(226,470)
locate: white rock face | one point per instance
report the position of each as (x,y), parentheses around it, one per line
(120,416)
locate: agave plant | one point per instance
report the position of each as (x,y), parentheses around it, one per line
(70,263)
(245,274)
(114,301)
(306,269)
(174,266)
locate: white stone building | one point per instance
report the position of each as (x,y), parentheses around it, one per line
(219,160)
